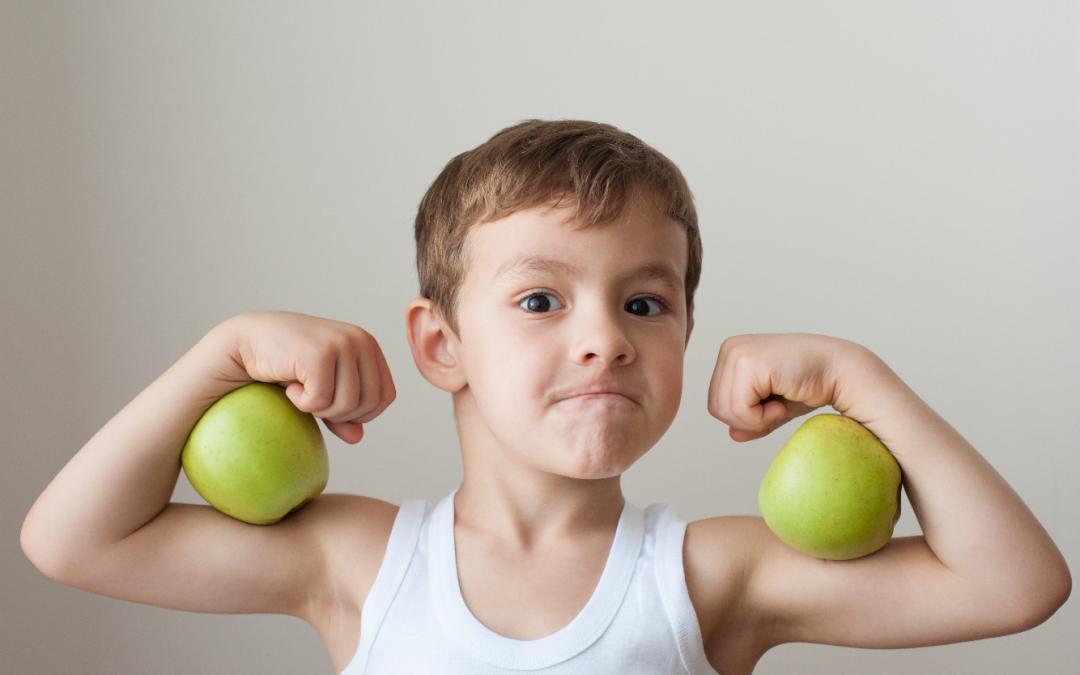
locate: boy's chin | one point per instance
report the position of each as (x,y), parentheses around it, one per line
(593,468)
(592,475)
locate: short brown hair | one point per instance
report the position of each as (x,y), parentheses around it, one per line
(597,166)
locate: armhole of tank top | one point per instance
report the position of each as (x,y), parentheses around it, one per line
(671,580)
(400,547)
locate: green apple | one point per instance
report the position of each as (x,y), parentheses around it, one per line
(254,456)
(833,490)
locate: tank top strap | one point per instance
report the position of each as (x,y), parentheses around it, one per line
(671,580)
(400,547)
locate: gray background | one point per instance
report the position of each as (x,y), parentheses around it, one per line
(903,175)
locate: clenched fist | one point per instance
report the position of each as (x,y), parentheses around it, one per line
(764,380)
(331,369)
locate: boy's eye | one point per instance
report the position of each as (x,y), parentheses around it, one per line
(534,303)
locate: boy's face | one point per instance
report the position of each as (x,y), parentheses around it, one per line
(530,338)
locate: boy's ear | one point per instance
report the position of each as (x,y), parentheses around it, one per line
(434,346)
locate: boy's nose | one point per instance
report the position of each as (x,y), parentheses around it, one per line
(605,338)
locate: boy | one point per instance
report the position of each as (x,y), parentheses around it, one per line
(557,264)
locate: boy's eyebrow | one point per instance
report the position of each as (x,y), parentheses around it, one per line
(655,270)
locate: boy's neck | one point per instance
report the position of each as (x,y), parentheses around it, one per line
(530,511)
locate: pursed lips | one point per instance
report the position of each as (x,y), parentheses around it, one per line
(604,394)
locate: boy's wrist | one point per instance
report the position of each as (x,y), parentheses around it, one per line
(865,384)
(217,355)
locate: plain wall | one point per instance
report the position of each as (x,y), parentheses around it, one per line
(904,175)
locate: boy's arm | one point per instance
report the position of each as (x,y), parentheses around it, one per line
(105,523)
(125,474)
(983,567)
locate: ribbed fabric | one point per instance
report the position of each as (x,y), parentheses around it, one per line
(639,619)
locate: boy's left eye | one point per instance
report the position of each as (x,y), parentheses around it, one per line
(538,306)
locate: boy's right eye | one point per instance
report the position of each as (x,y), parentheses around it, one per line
(538,305)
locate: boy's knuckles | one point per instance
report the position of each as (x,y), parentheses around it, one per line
(350,342)
(723,412)
(354,339)
(729,344)
(371,414)
(711,407)
(321,399)
(321,350)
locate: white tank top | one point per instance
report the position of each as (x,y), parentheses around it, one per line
(639,618)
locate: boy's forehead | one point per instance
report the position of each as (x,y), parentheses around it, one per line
(654,268)
(532,238)
(531,242)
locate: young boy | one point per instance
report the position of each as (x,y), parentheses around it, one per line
(558,263)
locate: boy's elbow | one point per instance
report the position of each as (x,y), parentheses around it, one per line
(1064,590)
(29,549)
(42,557)
(1046,609)
(1063,594)
(35,558)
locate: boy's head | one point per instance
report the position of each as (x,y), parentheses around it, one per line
(592,166)
(514,341)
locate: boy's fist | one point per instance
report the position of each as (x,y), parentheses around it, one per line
(331,369)
(762,381)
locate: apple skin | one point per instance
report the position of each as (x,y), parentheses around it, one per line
(256,457)
(833,490)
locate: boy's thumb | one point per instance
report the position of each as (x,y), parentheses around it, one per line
(295,392)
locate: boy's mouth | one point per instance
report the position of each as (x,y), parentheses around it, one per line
(600,390)
(600,396)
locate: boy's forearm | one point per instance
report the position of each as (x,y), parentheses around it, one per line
(125,474)
(971,518)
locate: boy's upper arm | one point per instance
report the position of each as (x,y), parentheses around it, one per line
(898,597)
(194,558)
